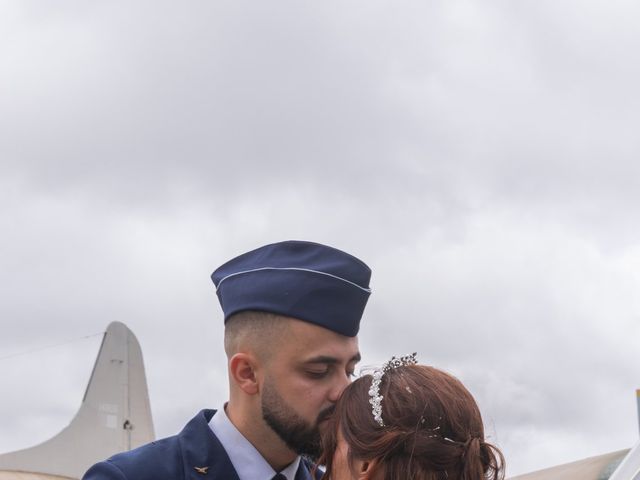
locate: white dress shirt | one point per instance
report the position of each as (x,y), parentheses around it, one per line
(246,460)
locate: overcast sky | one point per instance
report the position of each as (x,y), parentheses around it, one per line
(480,156)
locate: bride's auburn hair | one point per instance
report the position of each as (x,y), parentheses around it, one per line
(433,428)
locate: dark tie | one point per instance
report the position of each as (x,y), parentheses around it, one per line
(279,476)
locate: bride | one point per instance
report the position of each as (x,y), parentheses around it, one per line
(408,421)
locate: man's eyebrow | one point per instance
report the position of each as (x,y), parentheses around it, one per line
(332,360)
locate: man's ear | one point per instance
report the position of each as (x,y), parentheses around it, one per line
(242,369)
(367,469)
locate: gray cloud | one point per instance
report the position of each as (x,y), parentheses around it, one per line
(479,156)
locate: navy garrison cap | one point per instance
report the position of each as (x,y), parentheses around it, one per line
(303,280)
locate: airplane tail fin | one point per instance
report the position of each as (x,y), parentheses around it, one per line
(638,405)
(115,414)
(629,468)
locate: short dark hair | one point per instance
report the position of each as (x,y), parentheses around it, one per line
(259,331)
(433,428)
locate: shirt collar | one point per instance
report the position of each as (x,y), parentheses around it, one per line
(246,460)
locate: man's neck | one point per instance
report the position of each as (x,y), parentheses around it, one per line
(262,437)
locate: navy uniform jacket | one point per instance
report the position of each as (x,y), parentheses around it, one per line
(188,455)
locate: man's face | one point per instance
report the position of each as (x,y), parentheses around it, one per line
(303,380)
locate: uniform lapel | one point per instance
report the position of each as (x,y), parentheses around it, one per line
(304,471)
(203,455)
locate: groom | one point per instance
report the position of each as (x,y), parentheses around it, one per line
(292,312)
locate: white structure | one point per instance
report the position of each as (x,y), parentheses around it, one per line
(592,468)
(629,469)
(621,465)
(114,416)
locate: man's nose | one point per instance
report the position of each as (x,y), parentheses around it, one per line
(339,385)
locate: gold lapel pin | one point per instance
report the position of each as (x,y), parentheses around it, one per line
(202,470)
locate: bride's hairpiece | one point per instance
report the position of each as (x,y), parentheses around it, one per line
(374,390)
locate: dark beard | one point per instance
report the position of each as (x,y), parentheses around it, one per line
(300,436)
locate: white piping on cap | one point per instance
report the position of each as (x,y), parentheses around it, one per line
(368,290)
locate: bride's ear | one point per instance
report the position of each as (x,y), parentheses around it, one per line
(366,470)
